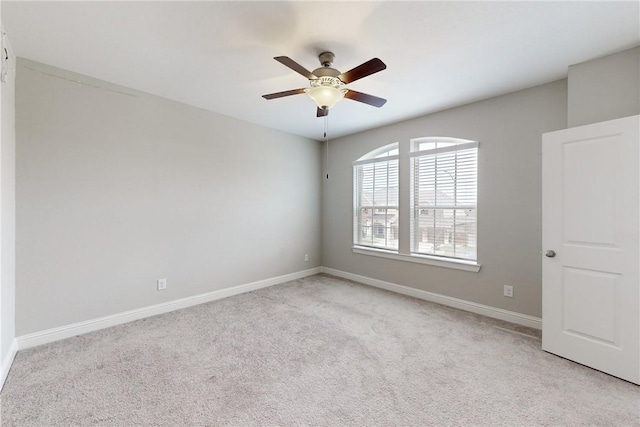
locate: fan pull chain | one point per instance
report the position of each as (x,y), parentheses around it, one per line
(326,140)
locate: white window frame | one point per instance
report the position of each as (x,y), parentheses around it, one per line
(379,155)
(448,146)
(405,151)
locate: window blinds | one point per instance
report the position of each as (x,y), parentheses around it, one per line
(443,200)
(376,202)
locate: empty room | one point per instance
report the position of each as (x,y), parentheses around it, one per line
(324,213)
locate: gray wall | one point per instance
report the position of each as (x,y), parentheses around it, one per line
(117,188)
(605,88)
(509,129)
(7,213)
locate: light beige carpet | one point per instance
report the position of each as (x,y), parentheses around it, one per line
(317,351)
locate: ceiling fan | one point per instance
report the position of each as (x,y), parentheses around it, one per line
(327,85)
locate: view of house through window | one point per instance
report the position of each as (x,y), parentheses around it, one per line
(442,194)
(376,199)
(444,197)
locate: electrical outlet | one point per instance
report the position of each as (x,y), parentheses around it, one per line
(508,291)
(306,257)
(162,284)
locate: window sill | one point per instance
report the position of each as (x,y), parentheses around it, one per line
(420,259)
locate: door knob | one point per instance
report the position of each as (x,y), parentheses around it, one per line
(550,253)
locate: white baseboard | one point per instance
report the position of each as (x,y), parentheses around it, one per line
(67,331)
(485,310)
(7,361)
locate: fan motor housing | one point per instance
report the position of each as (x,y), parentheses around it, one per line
(326,71)
(327,81)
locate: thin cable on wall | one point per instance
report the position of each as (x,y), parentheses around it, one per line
(4,69)
(326,141)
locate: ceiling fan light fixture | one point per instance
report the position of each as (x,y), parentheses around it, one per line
(326,91)
(327,85)
(325,96)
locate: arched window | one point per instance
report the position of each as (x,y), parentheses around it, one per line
(444,197)
(440,191)
(376,187)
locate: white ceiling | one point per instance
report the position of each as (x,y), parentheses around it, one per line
(218,55)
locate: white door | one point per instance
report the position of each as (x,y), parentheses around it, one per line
(591,220)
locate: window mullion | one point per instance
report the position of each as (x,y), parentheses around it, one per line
(455,201)
(386,212)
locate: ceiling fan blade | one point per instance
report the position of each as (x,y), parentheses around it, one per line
(288,62)
(363,97)
(363,70)
(322,112)
(281,94)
